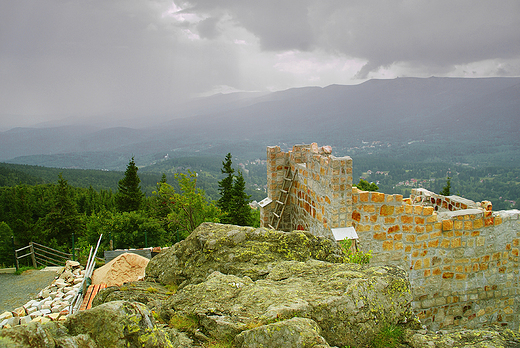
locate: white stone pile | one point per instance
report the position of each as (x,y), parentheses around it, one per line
(52,303)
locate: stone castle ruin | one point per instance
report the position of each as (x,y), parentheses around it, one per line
(461,256)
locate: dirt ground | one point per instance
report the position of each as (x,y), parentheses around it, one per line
(16,290)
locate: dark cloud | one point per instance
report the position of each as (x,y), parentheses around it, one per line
(438,34)
(97,56)
(207,28)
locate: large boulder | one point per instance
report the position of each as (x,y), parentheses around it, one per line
(150,294)
(119,324)
(242,251)
(350,303)
(291,333)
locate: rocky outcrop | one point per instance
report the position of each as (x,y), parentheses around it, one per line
(350,303)
(111,325)
(242,251)
(244,287)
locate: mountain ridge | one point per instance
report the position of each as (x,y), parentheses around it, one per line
(396,111)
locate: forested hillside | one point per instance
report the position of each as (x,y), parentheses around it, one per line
(30,196)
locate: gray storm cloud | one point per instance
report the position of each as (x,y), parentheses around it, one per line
(117,57)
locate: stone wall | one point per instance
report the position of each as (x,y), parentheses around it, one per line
(461,257)
(321,196)
(463,264)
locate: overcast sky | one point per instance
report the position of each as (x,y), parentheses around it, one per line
(96,57)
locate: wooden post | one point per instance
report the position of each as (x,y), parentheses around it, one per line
(15,255)
(33,256)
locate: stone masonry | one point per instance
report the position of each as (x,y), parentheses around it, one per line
(461,257)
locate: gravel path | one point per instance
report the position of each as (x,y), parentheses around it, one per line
(17,290)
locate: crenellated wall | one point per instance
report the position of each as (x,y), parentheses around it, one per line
(462,258)
(463,264)
(321,196)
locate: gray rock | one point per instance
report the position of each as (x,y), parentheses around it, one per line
(349,302)
(242,251)
(292,333)
(32,335)
(118,324)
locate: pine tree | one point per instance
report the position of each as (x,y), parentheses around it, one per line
(6,252)
(241,211)
(64,219)
(129,196)
(446,189)
(226,190)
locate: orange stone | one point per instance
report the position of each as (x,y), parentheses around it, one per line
(393,229)
(447,275)
(378,197)
(380,236)
(447,225)
(456,243)
(386,210)
(406,219)
(410,238)
(433,243)
(388,245)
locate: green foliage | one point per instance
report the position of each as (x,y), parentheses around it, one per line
(234,202)
(241,213)
(63,219)
(129,196)
(184,322)
(6,249)
(351,256)
(390,336)
(225,187)
(189,208)
(26,268)
(446,189)
(366,186)
(127,230)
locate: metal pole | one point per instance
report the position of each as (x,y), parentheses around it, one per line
(145,239)
(14,254)
(73,248)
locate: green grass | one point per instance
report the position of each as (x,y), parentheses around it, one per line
(390,336)
(26,268)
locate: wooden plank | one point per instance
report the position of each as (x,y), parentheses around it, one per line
(86,299)
(92,295)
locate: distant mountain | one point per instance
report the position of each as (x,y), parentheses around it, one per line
(448,119)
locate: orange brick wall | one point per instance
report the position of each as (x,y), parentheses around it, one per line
(462,264)
(321,196)
(461,257)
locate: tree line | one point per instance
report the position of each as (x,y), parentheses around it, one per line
(50,213)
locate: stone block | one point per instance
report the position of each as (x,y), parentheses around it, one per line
(388,245)
(19,312)
(447,225)
(386,210)
(25,320)
(5,315)
(378,197)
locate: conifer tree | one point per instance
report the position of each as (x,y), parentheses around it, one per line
(64,219)
(446,189)
(129,196)
(241,211)
(226,189)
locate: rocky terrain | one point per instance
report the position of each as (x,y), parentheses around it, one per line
(229,286)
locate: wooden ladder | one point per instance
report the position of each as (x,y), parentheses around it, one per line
(281,202)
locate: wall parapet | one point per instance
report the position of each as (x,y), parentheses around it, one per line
(461,257)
